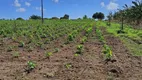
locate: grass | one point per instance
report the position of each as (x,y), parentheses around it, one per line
(132,38)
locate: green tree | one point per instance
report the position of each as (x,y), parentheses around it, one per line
(101,16)
(109,18)
(66,16)
(35,17)
(98,15)
(85,17)
(19,18)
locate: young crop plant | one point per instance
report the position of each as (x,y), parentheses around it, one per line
(108,52)
(10,48)
(48,55)
(30,65)
(83,40)
(70,37)
(80,49)
(68,65)
(56,50)
(21,44)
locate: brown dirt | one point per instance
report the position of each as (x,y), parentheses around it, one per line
(89,66)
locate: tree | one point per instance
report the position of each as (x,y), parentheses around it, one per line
(98,15)
(54,18)
(19,18)
(85,17)
(65,17)
(95,15)
(131,14)
(109,18)
(35,17)
(101,16)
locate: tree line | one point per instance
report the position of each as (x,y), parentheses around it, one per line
(130,14)
(97,15)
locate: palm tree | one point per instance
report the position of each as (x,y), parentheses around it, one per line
(137,10)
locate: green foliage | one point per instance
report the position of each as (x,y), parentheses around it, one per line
(68,65)
(98,15)
(56,50)
(19,18)
(31,65)
(107,51)
(66,16)
(48,54)
(21,44)
(35,17)
(131,14)
(80,49)
(84,39)
(85,17)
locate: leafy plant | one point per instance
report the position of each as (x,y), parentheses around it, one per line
(56,50)
(68,65)
(21,44)
(70,37)
(84,39)
(79,49)
(107,51)
(31,65)
(48,54)
(9,48)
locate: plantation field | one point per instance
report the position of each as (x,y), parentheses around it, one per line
(69,50)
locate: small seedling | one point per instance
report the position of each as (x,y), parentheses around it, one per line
(75,54)
(48,54)
(84,39)
(31,65)
(15,54)
(56,50)
(70,37)
(107,51)
(80,49)
(21,44)
(68,65)
(9,48)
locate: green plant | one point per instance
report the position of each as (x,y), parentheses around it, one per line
(70,37)
(84,39)
(9,48)
(75,54)
(31,65)
(56,50)
(21,44)
(79,49)
(107,51)
(48,54)
(68,65)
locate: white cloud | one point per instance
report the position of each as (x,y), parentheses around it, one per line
(27,4)
(56,1)
(102,4)
(39,8)
(17,4)
(21,10)
(112,6)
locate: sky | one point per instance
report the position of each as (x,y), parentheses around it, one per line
(12,9)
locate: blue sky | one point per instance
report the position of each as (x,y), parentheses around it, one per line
(75,8)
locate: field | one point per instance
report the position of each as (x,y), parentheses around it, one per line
(69,50)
